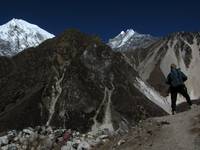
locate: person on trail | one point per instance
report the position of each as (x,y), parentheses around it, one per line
(176,79)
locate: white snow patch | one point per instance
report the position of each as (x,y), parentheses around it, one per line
(153,95)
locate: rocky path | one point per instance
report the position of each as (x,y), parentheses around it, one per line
(177,132)
(182,133)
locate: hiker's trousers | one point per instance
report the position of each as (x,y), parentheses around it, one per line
(181,89)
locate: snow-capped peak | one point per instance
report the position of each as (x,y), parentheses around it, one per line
(21,35)
(130,39)
(121,38)
(125,36)
(128,32)
(122,32)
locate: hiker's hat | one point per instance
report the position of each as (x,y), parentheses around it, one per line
(173,66)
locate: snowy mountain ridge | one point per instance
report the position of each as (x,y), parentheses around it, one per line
(130,39)
(21,35)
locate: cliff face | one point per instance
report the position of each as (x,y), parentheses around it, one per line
(72,81)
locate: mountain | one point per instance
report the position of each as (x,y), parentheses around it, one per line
(153,63)
(17,35)
(131,40)
(73,81)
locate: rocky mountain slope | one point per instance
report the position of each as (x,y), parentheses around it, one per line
(153,62)
(130,40)
(17,35)
(73,81)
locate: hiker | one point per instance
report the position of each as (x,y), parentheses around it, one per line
(176,79)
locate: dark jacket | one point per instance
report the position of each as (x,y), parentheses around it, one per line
(176,78)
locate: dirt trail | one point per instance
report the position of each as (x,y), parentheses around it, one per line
(177,132)
(180,133)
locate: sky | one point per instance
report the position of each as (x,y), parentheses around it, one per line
(106,18)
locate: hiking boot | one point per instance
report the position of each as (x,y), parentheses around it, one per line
(173,112)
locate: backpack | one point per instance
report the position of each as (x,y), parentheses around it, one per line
(176,78)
